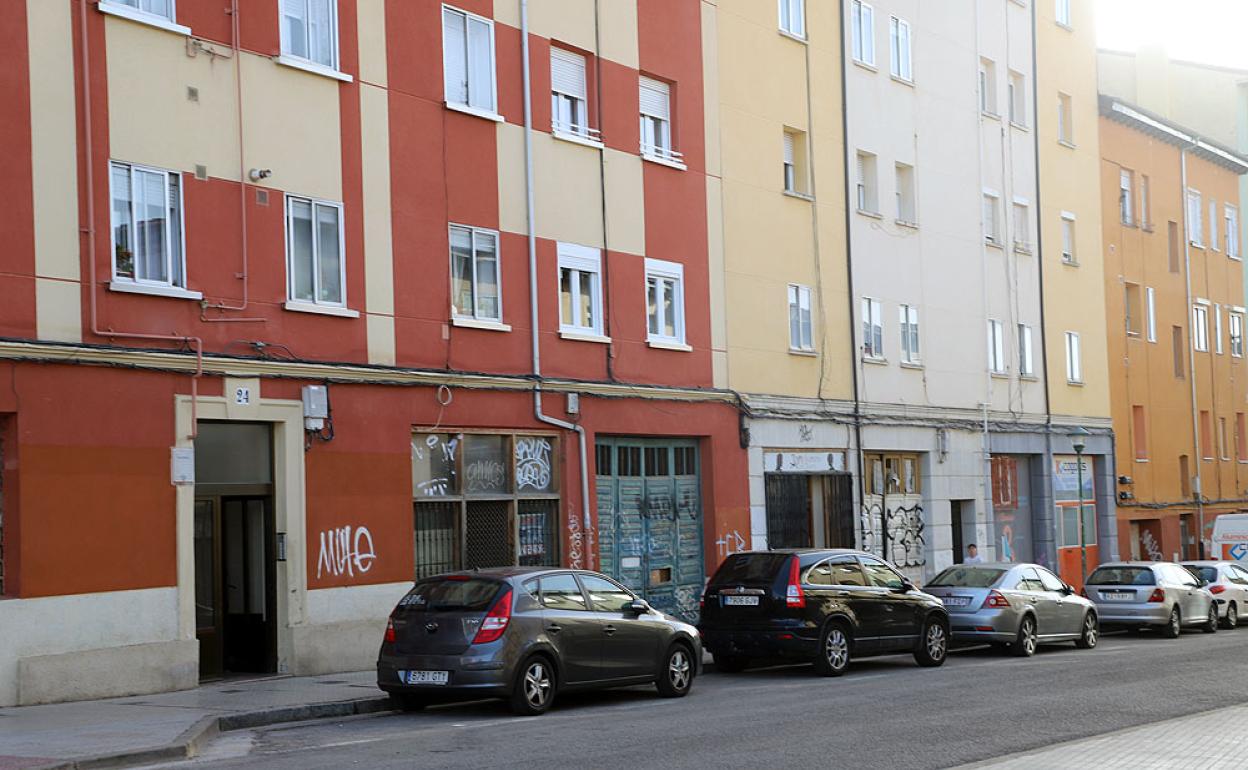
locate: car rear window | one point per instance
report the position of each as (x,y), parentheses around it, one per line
(967,577)
(1122,576)
(452,595)
(1205,573)
(750,568)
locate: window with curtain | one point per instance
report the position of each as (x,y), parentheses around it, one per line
(475,283)
(314,253)
(665,301)
(148,241)
(310,31)
(468,59)
(580,289)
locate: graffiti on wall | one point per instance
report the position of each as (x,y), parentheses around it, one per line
(435,455)
(897,534)
(346,551)
(729,543)
(533,463)
(1150,547)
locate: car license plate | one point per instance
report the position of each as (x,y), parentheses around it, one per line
(1118,596)
(740,601)
(424,677)
(957,601)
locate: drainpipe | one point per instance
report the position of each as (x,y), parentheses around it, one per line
(196,343)
(530,207)
(1197,459)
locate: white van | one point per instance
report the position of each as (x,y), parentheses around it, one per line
(1230,537)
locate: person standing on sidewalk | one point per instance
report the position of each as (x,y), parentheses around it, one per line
(972,555)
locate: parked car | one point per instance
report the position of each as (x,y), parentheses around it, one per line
(527,634)
(1019,605)
(1161,595)
(824,606)
(1228,582)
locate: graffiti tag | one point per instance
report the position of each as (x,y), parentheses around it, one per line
(532,463)
(1150,545)
(730,543)
(345,552)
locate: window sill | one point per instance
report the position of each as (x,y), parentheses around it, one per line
(173,292)
(875,360)
(669,345)
(1147,227)
(308,307)
(476,323)
(802,352)
(584,141)
(871,214)
(664,161)
(1000,375)
(1070,262)
(1023,248)
(475,111)
(151,20)
(1065,26)
(991,115)
(993,243)
(793,36)
(906,224)
(1020,126)
(1197,244)
(1067,144)
(581,336)
(916,365)
(799,195)
(1028,378)
(295,62)
(1235,257)
(1131,225)
(865,65)
(1075,383)
(1141,459)
(904,81)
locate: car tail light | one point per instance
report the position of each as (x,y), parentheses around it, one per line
(794,596)
(996,600)
(1216,588)
(1158,596)
(496,620)
(390,635)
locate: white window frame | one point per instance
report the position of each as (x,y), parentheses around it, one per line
(663,271)
(1022,232)
(1217,329)
(1231,220)
(901,49)
(1195,219)
(1074,359)
(662,148)
(907,194)
(473,233)
(487,111)
(1235,320)
(1150,309)
(1146,217)
(991,214)
(123,9)
(911,339)
(1126,196)
(790,161)
(988,87)
(1065,119)
(799,300)
(333,65)
(868,187)
(580,259)
(1061,13)
(576,97)
(136,281)
(793,18)
(316,273)
(862,32)
(872,329)
(1213,224)
(1017,87)
(1200,326)
(1026,362)
(1069,225)
(996,347)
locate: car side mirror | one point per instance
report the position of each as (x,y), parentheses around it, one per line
(1204,583)
(1068,589)
(638,607)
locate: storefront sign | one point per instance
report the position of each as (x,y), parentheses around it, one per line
(803,462)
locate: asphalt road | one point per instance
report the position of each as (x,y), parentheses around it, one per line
(885,713)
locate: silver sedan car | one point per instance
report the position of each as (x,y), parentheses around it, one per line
(1161,595)
(1019,605)
(1228,582)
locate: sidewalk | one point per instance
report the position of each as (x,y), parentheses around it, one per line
(1213,740)
(174,725)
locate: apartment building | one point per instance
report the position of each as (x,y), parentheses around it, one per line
(307,299)
(1173,283)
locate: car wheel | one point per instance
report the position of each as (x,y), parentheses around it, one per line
(407,702)
(1174,626)
(834,649)
(676,676)
(730,664)
(934,645)
(1211,623)
(1232,617)
(1091,632)
(534,688)
(1025,642)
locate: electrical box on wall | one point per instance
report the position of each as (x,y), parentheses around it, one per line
(574,403)
(315,406)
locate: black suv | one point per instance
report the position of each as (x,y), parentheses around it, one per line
(823,606)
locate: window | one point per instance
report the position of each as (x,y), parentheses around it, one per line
(1217,329)
(1241,437)
(562,592)
(992,216)
(899,37)
(1200,327)
(1074,360)
(1150,310)
(795,176)
(569,107)
(468,60)
(1231,225)
(1065,120)
(988,87)
(1063,12)
(868,188)
(1018,99)
(880,574)
(1223,441)
(160,8)
(996,348)
(310,31)
(1146,214)
(838,571)
(314,246)
(1213,224)
(793,17)
(1172,245)
(910,350)
(1049,581)
(1185,476)
(1022,226)
(862,31)
(665,301)
(893,474)
(872,328)
(1176,343)
(1139,432)
(905,194)
(1026,366)
(656,119)
(474,274)
(801,332)
(1133,309)
(149,244)
(1235,320)
(604,595)
(580,289)
(1195,227)
(1126,199)
(1068,239)
(1206,435)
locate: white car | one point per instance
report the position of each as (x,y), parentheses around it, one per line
(1228,582)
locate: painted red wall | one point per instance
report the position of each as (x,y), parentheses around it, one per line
(17,259)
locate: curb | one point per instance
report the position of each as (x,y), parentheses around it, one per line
(194,738)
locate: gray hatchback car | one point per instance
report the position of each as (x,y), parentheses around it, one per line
(1160,595)
(525,634)
(1019,605)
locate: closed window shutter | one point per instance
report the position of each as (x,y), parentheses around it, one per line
(455,56)
(788,148)
(655,97)
(567,73)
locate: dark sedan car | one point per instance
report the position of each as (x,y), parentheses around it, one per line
(824,606)
(525,634)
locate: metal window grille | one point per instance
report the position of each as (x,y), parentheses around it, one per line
(487,535)
(437,537)
(788,511)
(538,543)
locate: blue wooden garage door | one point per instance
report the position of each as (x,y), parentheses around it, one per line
(650,520)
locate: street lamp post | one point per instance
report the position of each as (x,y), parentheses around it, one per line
(1079,443)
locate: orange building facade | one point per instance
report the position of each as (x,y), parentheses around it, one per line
(1173,283)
